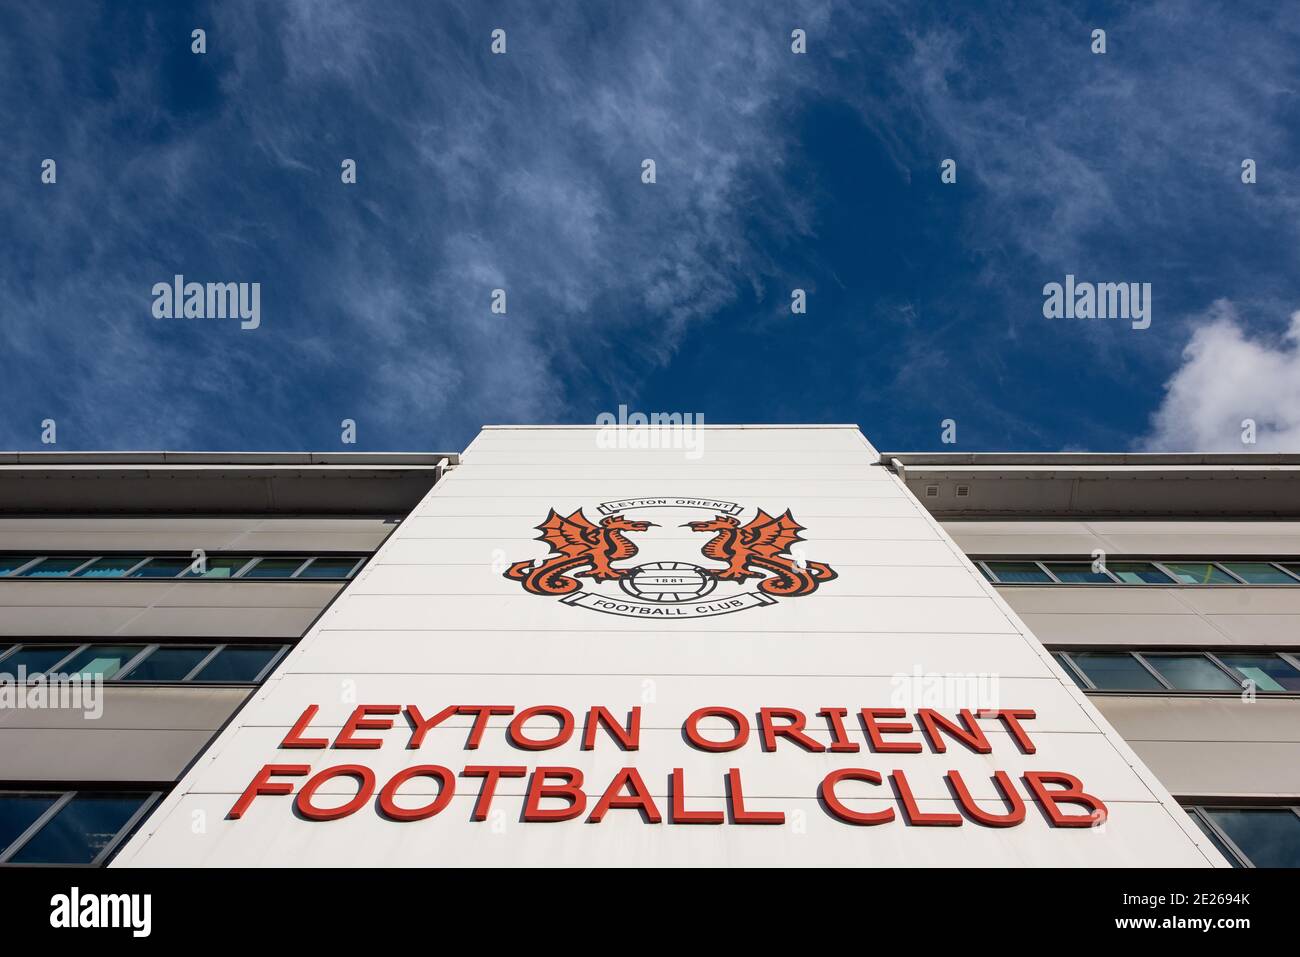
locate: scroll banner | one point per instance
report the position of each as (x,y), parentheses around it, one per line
(698,609)
(710,504)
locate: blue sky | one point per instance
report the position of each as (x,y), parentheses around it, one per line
(775,171)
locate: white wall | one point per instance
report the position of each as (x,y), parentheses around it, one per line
(433,622)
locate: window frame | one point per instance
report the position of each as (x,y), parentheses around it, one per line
(251,560)
(1092,686)
(152,795)
(1201,812)
(983,563)
(270,666)
(1066,659)
(148,648)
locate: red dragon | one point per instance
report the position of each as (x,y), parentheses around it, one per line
(757,548)
(577,543)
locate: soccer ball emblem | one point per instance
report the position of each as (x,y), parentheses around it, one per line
(668,582)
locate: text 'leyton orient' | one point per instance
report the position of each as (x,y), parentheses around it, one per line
(558,793)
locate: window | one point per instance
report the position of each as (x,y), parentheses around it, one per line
(18,812)
(168,664)
(219,566)
(71,828)
(224,663)
(329,568)
(274,568)
(1208,830)
(1259,573)
(1199,573)
(109,566)
(1269,672)
(37,659)
(53,567)
(1166,672)
(1253,836)
(1146,572)
(11,563)
(103,661)
(1064,662)
(1192,673)
(162,568)
(1115,672)
(239,664)
(1016,573)
(1138,573)
(1077,573)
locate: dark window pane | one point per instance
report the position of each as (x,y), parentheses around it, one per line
(218,568)
(1115,672)
(1215,840)
(55,567)
(35,658)
(1138,573)
(81,829)
(1269,672)
(1269,837)
(103,660)
(1018,572)
(1259,573)
(18,812)
(168,664)
(237,664)
(9,563)
(329,568)
(983,571)
(1192,673)
(1077,573)
(162,568)
(1199,573)
(110,566)
(274,568)
(1065,666)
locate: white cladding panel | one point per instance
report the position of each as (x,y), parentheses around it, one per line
(903,620)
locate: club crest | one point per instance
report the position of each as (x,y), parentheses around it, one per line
(737,564)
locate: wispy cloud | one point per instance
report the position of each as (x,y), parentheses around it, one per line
(522,172)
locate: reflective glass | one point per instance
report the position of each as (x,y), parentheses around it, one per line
(80,830)
(1015,573)
(1259,573)
(168,664)
(1269,672)
(1138,573)
(102,660)
(1269,837)
(237,664)
(1199,573)
(1115,672)
(1192,673)
(1078,573)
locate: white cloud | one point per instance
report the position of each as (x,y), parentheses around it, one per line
(1227,377)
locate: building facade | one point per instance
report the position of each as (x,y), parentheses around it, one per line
(749,645)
